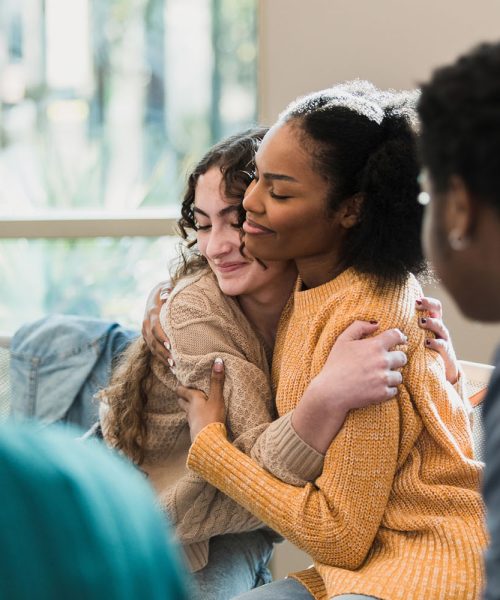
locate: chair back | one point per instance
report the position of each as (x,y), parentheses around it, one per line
(4,377)
(477,376)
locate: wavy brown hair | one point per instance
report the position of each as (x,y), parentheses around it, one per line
(127,394)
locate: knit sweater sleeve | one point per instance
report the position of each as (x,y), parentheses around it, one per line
(334,520)
(203,325)
(282,452)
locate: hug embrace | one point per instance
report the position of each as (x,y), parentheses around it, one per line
(302,243)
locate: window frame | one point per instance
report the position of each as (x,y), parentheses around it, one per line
(74,224)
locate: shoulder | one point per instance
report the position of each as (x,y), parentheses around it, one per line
(365,290)
(363,298)
(366,298)
(194,298)
(198,306)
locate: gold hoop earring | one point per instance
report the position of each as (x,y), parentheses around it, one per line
(457,241)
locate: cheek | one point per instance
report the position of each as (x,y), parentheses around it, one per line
(434,241)
(202,243)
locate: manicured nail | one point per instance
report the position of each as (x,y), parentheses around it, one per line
(423,320)
(373,322)
(170,362)
(427,342)
(419,302)
(218,365)
(167,345)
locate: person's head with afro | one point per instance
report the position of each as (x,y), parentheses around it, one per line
(459,109)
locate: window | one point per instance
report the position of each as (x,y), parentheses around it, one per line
(104,105)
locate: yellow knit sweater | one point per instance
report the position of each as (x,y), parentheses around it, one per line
(396,512)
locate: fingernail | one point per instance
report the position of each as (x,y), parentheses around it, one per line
(373,322)
(419,302)
(167,345)
(427,342)
(164,296)
(218,365)
(170,362)
(423,320)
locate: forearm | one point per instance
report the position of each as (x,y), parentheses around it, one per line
(334,520)
(293,447)
(316,422)
(284,454)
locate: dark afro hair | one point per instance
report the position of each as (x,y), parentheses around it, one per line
(460,120)
(362,141)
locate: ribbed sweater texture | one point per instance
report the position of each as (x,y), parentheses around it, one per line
(396,512)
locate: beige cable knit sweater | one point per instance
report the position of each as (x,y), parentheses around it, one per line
(202,324)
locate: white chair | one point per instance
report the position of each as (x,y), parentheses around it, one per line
(4,376)
(478,376)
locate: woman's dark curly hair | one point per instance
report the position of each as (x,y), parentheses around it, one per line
(459,111)
(235,157)
(363,142)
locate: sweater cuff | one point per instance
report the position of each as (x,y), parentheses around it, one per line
(312,581)
(196,555)
(196,453)
(294,454)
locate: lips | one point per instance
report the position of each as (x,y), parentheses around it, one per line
(254,228)
(229,267)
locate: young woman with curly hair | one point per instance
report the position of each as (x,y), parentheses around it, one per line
(396,511)
(226,305)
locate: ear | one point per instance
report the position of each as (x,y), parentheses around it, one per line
(350,211)
(459,213)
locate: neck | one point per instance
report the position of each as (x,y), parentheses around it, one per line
(319,269)
(264,307)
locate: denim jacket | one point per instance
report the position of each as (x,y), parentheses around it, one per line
(59,362)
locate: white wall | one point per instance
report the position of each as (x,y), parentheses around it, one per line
(310,44)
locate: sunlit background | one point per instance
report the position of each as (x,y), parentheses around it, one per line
(104,105)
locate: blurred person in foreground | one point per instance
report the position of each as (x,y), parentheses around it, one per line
(77,522)
(460,147)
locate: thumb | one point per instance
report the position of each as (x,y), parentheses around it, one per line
(217,381)
(358,330)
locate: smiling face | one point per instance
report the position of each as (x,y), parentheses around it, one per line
(287,216)
(218,237)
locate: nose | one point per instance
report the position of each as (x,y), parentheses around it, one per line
(220,242)
(252,202)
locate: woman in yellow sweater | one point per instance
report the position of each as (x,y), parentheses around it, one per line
(396,512)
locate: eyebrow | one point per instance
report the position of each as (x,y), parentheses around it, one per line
(227,210)
(279,177)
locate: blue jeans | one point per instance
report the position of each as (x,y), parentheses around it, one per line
(290,589)
(283,589)
(236,563)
